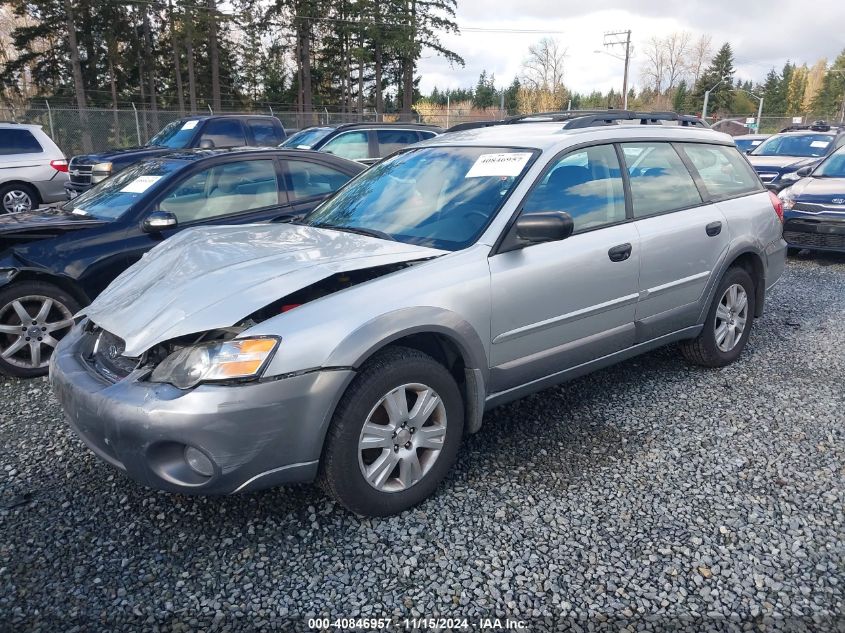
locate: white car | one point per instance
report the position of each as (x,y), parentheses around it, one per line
(33,170)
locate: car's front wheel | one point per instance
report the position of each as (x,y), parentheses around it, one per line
(34,316)
(394,435)
(728,323)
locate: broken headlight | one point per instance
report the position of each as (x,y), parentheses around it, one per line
(218,360)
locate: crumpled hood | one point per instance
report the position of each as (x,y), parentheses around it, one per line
(212,277)
(44,220)
(778,163)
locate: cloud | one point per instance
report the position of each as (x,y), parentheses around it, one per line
(762,34)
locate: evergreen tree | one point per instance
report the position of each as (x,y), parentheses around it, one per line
(485,92)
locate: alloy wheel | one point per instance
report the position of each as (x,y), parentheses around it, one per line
(30,327)
(402,437)
(731,317)
(17,201)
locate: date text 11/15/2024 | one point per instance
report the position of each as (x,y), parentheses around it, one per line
(416,624)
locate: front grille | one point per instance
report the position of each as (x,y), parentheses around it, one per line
(106,356)
(817,207)
(80,174)
(818,240)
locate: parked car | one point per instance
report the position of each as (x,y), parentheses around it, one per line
(54,261)
(814,207)
(358,346)
(778,159)
(33,170)
(747,142)
(204,132)
(366,143)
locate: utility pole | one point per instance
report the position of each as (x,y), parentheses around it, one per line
(621,38)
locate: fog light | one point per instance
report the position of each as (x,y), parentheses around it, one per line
(198,461)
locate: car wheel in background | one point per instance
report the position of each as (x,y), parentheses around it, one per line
(395,434)
(728,322)
(15,198)
(34,316)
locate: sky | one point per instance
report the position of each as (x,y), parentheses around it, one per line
(763,34)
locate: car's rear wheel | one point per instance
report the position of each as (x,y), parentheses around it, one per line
(34,316)
(728,323)
(17,198)
(394,435)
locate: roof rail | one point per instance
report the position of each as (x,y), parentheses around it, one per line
(576,119)
(610,117)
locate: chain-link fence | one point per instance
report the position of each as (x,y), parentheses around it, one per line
(96,129)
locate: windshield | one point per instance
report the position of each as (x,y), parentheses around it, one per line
(833,167)
(306,139)
(442,197)
(803,145)
(111,198)
(176,135)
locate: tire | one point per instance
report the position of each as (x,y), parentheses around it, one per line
(706,349)
(49,324)
(399,486)
(18,197)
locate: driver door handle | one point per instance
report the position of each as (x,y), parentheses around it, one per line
(619,253)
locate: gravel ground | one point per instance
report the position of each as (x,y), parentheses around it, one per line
(649,496)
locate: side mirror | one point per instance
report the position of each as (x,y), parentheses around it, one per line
(206,143)
(804,171)
(159,221)
(537,228)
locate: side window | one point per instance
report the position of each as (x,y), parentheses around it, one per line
(660,181)
(264,132)
(18,142)
(424,135)
(305,179)
(722,169)
(391,140)
(224,133)
(586,184)
(224,190)
(351,145)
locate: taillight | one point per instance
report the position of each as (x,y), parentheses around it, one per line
(777,205)
(59,165)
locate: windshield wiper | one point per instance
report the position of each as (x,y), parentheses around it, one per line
(356,229)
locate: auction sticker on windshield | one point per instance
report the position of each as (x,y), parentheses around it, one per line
(190,125)
(820,144)
(503,164)
(140,184)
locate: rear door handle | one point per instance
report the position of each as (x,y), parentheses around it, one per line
(619,253)
(714,228)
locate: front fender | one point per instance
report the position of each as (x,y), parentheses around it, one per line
(363,342)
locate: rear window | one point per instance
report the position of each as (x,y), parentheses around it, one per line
(264,132)
(391,140)
(18,142)
(659,179)
(724,172)
(224,133)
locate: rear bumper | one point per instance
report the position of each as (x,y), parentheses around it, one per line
(52,190)
(775,262)
(255,435)
(815,231)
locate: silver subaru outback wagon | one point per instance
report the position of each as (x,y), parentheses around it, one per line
(358,346)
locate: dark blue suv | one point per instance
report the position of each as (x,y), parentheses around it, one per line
(814,207)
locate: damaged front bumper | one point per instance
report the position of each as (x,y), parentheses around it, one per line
(213,439)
